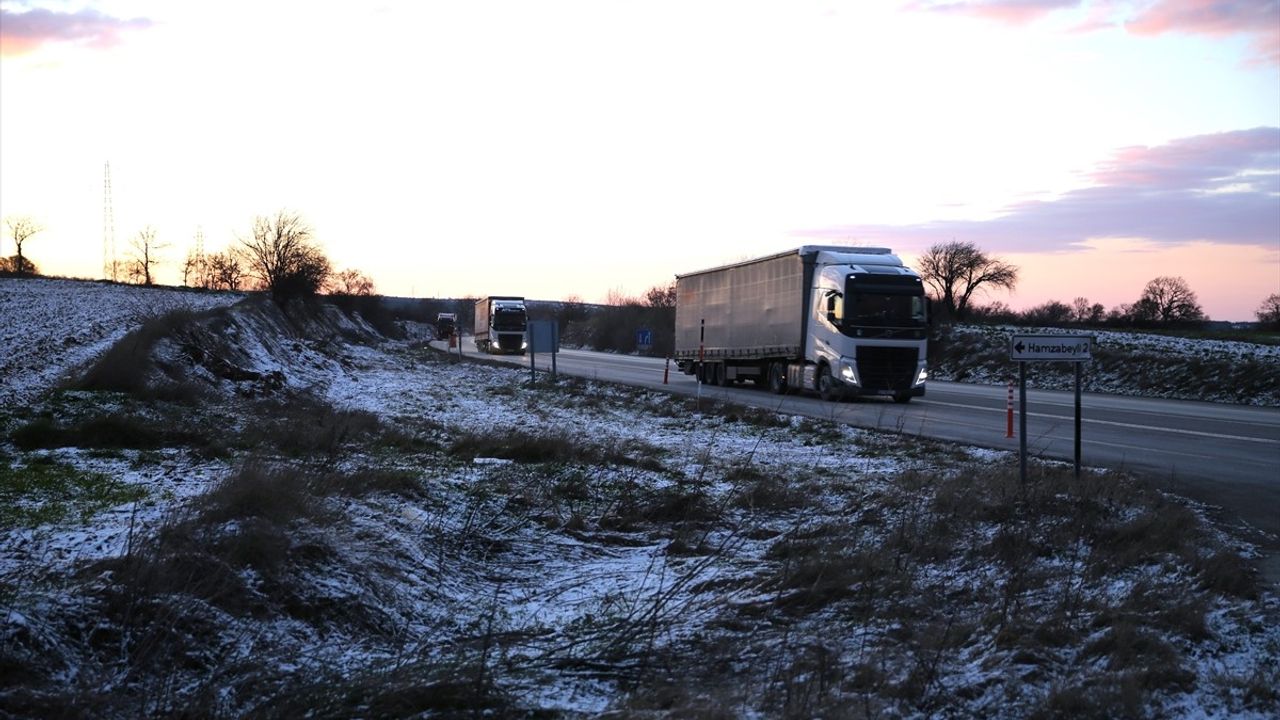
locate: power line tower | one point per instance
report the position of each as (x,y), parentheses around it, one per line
(202,273)
(109,266)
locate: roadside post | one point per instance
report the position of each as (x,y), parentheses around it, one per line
(1077,349)
(1008,431)
(543,336)
(702,372)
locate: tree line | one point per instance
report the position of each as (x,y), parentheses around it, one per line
(955,272)
(279,255)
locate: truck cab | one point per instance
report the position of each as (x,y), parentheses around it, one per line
(500,325)
(868,326)
(446,324)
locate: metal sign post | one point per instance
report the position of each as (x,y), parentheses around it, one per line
(1051,348)
(543,336)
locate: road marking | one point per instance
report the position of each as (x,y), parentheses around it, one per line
(1196,433)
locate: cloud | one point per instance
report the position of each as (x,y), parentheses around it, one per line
(1221,188)
(1258,20)
(1013,12)
(24,32)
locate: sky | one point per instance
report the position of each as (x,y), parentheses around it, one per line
(563,148)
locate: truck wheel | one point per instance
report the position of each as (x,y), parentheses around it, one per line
(716,371)
(777,378)
(826,384)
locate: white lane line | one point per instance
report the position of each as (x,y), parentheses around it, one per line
(1133,426)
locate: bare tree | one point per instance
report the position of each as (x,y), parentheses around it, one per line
(21,229)
(661,295)
(956,270)
(145,256)
(1168,299)
(282,255)
(11,265)
(225,270)
(1269,312)
(1086,313)
(350,282)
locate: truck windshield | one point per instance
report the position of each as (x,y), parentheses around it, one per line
(509,319)
(884,301)
(884,310)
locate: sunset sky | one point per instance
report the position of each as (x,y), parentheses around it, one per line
(551,148)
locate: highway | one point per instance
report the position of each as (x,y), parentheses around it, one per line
(1223,455)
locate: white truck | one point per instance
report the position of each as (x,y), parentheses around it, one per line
(839,321)
(500,324)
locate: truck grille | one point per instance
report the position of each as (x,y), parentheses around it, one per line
(886,368)
(510,341)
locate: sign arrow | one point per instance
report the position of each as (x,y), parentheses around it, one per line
(1019,346)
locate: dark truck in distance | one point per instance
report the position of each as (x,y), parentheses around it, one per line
(839,321)
(446,324)
(500,325)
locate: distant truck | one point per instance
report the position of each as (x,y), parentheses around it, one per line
(838,321)
(446,324)
(500,325)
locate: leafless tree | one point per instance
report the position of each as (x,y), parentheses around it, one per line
(21,229)
(350,282)
(661,295)
(1168,299)
(145,256)
(1269,312)
(226,272)
(956,270)
(282,255)
(1086,313)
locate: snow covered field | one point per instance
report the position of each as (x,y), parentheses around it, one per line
(462,539)
(1124,363)
(49,327)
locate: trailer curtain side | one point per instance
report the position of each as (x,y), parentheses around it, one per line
(754,309)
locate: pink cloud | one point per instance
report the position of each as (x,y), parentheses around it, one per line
(1258,20)
(1012,12)
(1221,188)
(24,32)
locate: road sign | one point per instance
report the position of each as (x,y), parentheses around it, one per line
(1038,348)
(1061,348)
(644,339)
(544,336)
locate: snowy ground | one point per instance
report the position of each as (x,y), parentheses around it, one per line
(656,558)
(1123,363)
(49,327)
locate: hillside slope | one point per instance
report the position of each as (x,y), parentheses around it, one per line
(1124,363)
(329,523)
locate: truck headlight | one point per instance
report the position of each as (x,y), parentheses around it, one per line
(849,372)
(921,377)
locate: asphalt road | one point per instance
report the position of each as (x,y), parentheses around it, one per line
(1223,455)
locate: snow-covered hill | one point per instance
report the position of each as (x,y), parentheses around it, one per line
(49,327)
(1123,363)
(335,524)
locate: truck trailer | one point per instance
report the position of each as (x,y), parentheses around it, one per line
(838,321)
(500,325)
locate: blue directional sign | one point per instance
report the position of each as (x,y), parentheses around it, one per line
(644,338)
